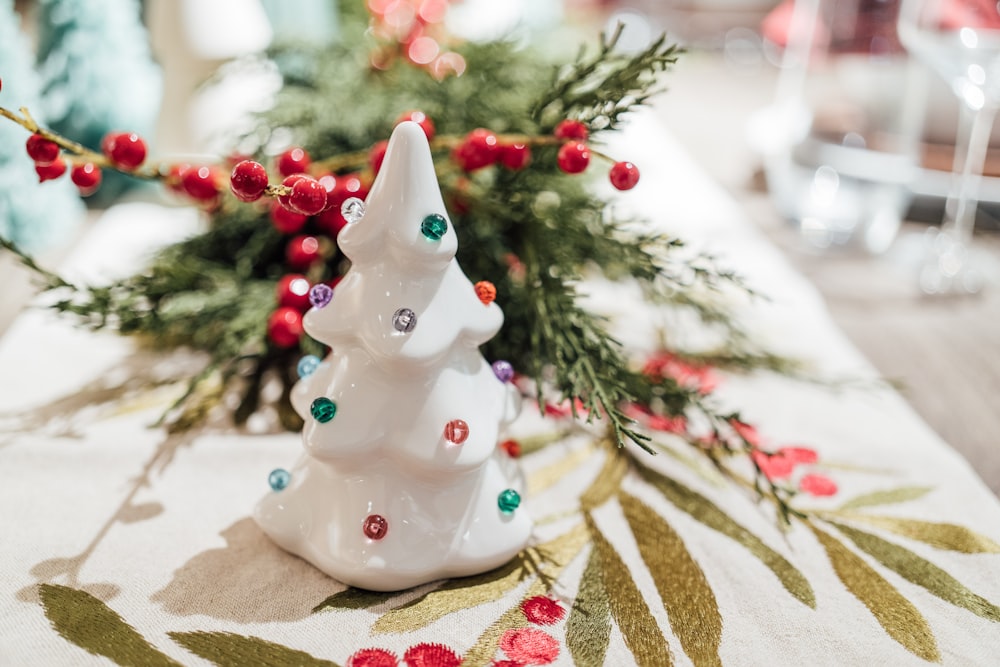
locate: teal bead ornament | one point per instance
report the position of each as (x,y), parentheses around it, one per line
(279,479)
(323,409)
(508,501)
(434,227)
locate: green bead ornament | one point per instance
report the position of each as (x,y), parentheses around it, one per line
(323,409)
(508,501)
(434,227)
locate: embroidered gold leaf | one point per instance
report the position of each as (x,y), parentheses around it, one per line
(545,477)
(940,535)
(642,636)
(230,650)
(921,572)
(485,648)
(705,511)
(465,592)
(84,620)
(353,598)
(607,481)
(687,596)
(887,497)
(588,629)
(697,465)
(895,614)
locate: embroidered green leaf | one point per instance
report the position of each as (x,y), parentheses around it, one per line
(353,598)
(230,650)
(705,511)
(588,629)
(481,654)
(887,497)
(629,609)
(687,596)
(896,614)
(465,592)
(607,481)
(940,535)
(84,620)
(921,572)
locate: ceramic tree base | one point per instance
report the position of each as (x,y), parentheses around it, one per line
(401,481)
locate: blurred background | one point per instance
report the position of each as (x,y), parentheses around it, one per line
(835,132)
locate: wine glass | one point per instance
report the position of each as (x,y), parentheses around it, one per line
(960,41)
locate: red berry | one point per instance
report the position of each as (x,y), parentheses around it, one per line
(285,220)
(293,161)
(347,186)
(331,221)
(515,156)
(571,129)
(201,183)
(302,251)
(479,149)
(292,291)
(624,175)
(573,157)
(308,196)
(43,151)
(248,180)
(175,177)
(50,171)
(377,155)
(87,177)
(284,327)
(421,119)
(126,150)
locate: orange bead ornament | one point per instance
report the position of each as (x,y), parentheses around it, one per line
(486,291)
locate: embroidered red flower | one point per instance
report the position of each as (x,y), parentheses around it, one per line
(774,466)
(372,657)
(431,655)
(746,431)
(506,663)
(684,373)
(676,424)
(799,454)
(818,485)
(530,646)
(543,610)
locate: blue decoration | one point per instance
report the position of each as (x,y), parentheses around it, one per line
(308,365)
(32,215)
(323,409)
(508,501)
(279,479)
(434,227)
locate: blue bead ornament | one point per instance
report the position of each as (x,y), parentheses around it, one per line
(434,227)
(323,409)
(508,501)
(307,365)
(279,479)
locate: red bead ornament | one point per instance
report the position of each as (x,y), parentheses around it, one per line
(302,251)
(456,431)
(284,327)
(375,526)
(286,220)
(50,171)
(86,177)
(486,291)
(377,155)
(515,156)
(308,196)
(201,183)
(571,129)
(292,291)
(573,157)
(293,161)
(479,149)
(248,180)
(419,117)
(511,448)
(43,151)
(126,150)
(624,175)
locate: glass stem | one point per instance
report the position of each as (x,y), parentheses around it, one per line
(970,156)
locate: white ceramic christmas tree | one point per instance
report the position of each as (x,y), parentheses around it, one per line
(401,481)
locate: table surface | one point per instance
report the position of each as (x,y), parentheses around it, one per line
(137,545)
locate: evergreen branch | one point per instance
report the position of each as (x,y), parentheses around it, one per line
(51,281)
